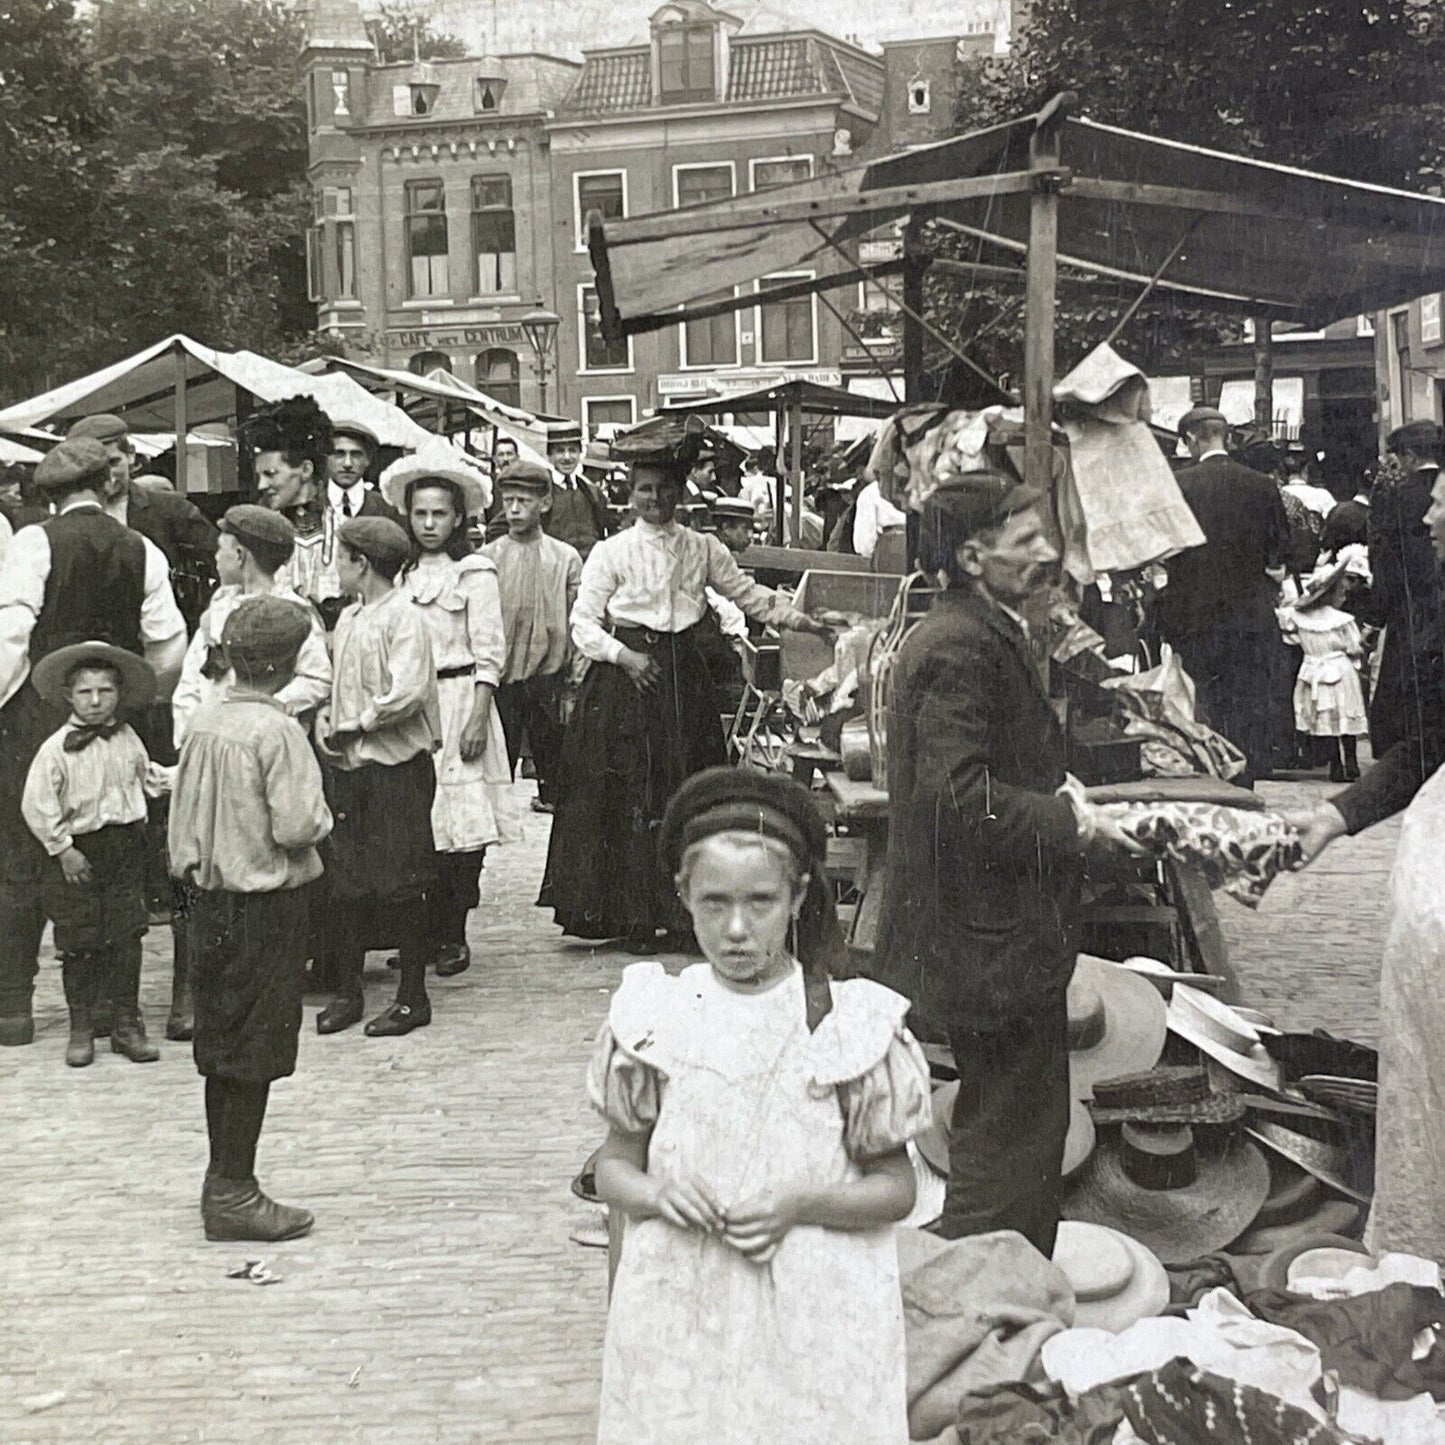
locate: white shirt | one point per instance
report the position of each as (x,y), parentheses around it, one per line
(68,795)
(22,595)
(6,533)
(1317,499)
(309,689)
(336,497)
(872,512)
(757,488)
(657,577)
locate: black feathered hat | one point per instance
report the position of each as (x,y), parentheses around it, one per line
(296,427)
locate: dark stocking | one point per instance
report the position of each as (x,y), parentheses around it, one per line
(406,922)
(1351,749)
(453,895)
(235,1111)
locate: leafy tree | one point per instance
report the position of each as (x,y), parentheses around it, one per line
(49,123)
(402,32)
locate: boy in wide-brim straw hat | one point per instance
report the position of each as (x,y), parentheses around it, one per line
(246,817)
(85,802)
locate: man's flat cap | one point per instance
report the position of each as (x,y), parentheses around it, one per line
(70,463)
(1415,436)
(378,539)
(1201,416)
(265,631)
(248,524)
(103,427)
(974,502)
(522,476)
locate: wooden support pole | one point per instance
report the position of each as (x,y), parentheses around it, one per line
(780,470)
(795,470)
(914,266)
(1264,371)
(1039,304)
(182,424)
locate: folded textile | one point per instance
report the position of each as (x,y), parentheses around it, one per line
(1390,1268)
(1008,1414)
(976,1313)
(1369,1340)
(1242,852)
(1220,1334)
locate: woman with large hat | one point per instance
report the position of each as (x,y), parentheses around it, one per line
(456,591)
(647,717)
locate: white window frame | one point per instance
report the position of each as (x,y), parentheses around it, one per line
(579,236)
(587,404)
(758,318)
(1394,372)
(582,368)
(732,170)
(773,160)
(685,365)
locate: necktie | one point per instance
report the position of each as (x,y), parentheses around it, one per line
(82,737)
(346,504)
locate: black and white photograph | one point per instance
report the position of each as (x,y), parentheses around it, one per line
(742,707)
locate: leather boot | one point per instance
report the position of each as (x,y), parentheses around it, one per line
(128,1030)
(77,975)
(16,1029)
(181,1022)
(236,1209)
(349,1005)
(102,1011)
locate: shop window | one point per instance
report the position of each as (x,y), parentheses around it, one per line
(494,235)
(499,374)
(426,238)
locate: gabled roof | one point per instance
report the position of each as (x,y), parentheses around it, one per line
(761,68)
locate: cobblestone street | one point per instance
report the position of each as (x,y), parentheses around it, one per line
(439,1298)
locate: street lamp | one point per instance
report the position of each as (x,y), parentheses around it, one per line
(540,329)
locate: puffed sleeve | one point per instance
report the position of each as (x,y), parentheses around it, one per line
(626,1072)
(864,1050)
(624,1090)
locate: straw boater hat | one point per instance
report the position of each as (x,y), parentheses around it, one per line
(1321,583)
(1218,1031)
(1328,1162)
(401,474)
(932,1144)
(732,509)
(1168,1094)
(1117,1281)
(1116,1023)
(1315,1256)
(1160,1185)
(344,427)
(137,680)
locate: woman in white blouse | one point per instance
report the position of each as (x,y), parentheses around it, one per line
(456,590)
(647,717)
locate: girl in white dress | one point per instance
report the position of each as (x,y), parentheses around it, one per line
(457,591)
(758,1120)
(1329,699)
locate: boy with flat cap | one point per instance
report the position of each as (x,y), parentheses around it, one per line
(378,733)
(85,802)
(246,818)
(76,577)
(538,577)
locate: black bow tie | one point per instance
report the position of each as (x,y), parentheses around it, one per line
(83,735)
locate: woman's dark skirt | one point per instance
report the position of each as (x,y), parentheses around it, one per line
(624,756)
(248,969)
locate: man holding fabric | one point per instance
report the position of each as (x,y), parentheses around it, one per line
(981,899)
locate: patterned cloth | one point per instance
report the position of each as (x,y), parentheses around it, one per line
(1241,852)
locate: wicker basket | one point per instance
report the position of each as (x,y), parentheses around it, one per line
(910,605)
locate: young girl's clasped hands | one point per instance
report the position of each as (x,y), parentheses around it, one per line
(758,1120)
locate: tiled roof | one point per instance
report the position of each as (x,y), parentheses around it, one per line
(619,81)
(865,81)
(773,69)
(531,83)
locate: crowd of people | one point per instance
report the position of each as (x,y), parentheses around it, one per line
(294,735)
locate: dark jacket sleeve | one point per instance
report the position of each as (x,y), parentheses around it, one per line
(1388,787)
(1278,551)
(954,781)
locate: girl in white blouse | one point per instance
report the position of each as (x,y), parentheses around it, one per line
(647,717)
(456,590)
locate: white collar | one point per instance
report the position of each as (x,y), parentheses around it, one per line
(74,506)
(1215,452)
(335,495)
(1363,498)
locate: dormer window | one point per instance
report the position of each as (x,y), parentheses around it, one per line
(685,62)
(487,93)
(418,94)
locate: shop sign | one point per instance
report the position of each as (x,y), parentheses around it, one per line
(503,333)
(876,253)
(719,383)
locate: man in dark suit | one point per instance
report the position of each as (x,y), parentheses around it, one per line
(1218,610)
(980,917)
(354,450)
(175,524)
(579,513)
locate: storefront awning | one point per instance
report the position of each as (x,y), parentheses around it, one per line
(1242,233)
